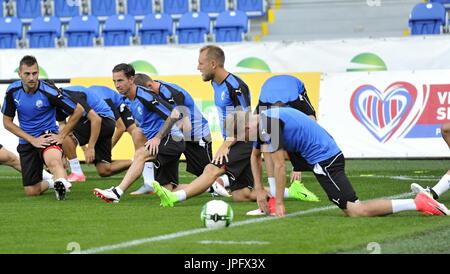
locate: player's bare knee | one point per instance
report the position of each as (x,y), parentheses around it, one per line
(445,129)
(32,192)
(356,210)
(213,170)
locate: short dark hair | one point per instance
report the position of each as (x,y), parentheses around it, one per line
(214,53)
(127,69)
(28,60)
(141,79)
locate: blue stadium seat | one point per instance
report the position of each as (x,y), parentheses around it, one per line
(28,8)
(155,29)
(193,27)
(427,18)
(103,7)
(82,31)
(212,7)
(118,30)
(10,32)
(64,8)
(253,8)
(230,26)
(176,8)
(139,7)
(44,31)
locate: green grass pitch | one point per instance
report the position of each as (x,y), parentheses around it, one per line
(139,225)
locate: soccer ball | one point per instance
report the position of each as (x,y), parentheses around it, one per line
(216,214)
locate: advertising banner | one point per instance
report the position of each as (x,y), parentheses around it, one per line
(387,114)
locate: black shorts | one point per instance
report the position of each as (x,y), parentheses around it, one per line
(103,147)
(238,167)
(331,176)
(168,160)
(126,115)
(198,155)
(298,162)
(32,162)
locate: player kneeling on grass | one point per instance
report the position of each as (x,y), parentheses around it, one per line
(280,129)
(36,103)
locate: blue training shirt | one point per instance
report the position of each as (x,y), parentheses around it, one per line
(228,96)
(296,133)
(36,112)
(150,111)
(200,127)
(281,88)
(83,94)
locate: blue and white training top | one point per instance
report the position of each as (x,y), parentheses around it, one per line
(292,130)
(178,96)
(151,111)
(281,88)
(36,112)
(230,95)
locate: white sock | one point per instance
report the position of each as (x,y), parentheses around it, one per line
(51,183)
(272,185)
(46,175)
(119,190)
(181,194)
(148,173)
(443,185)
(75,166)
(286,193)
(403,205)
(225,180)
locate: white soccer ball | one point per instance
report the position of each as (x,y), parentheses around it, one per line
(216,214)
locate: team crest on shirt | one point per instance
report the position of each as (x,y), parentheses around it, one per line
(139,109)
(39,103)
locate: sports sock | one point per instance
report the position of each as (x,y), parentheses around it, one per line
(148,173)
(225,180)
(119,190)
(286,193)
(181,194)
(75,166)
(272,185)
(403,205)
(51,183)
(46,175)
(443,185)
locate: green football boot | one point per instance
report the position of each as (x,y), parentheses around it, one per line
(167,197)
(298,191)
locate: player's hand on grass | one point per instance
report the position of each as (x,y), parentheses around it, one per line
(262,196)
(152,145)
(296,176)
(281,211)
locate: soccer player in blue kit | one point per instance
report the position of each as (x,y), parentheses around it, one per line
(162,141)
(233,156)
(96,131)
(287,129)
(36,102)
(198,141)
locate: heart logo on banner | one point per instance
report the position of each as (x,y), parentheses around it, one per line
(383,114)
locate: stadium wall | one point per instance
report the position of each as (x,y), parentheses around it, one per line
(335,72)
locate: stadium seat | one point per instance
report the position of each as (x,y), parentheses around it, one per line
(28,9)
(230,26)
(118,30)
(139,7)
(103,7)
(193,28)
(253,8)
(65,8)
(176,8)
(82,31)
(212,7)
(10,32)
(155,29)
(44,31)
(427,18)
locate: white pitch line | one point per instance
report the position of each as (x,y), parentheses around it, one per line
(207,242)
(202,230)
